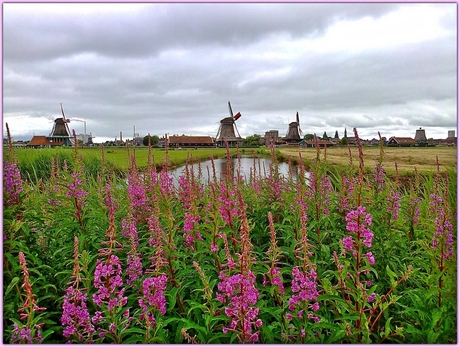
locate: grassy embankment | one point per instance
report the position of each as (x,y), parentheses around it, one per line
(407,158)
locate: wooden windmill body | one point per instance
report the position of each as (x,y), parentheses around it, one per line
(293,134)
(227,129)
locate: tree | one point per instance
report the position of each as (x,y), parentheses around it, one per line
(309,137)
(252,141)
(336,136)
(344,141)
(153,140)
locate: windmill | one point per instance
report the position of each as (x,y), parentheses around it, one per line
(227,129)
(61,132)
(293,135)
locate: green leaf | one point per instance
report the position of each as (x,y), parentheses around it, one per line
(267,334)
(197,306)
(337,336)
(435,317)
(432,337)
(387,326)
(134,330)
(134,339)
(47,333)
(13,282)
(347,317)
(325,297)
(390,273)
(172,297)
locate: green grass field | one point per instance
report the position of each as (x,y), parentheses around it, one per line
(119,156)
(407,158)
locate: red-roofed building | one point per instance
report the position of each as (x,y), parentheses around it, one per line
(312,143)
(189,141)
(401,142)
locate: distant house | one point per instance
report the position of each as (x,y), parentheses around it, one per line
(312,143)
(450,141)
(40,141)
(271,137)
(352,141)
(401,142)
(374,142)
(190,141)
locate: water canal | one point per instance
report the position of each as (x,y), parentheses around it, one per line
(245,167)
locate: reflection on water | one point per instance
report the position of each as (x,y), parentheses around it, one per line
(244,167)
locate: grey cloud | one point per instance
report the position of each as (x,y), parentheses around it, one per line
(163,26)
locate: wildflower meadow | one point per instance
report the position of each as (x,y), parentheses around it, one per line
(331,256)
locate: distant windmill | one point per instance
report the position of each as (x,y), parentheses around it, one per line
(61,130)
(227,129)
(294,132)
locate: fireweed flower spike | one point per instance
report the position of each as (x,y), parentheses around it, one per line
(153,298)
(190,234)
(228,207)
(379,177)
(240,294)
(358,222)
(12,184)
(393,204)
(136,192)
(108,282)
(134,259)
(29,332)
(274,254)
(75,316)
(304,291)
(443,236)
(78,195)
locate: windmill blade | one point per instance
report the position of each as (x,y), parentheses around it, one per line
(230,109)
(236,128)
(62,110)
(297,118)
(238,115)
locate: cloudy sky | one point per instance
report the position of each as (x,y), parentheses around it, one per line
(172,68)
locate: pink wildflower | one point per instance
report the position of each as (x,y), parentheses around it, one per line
(153,298)
(379,176)
(109,283)
(304,290)
(12,184)
(393,202)
(371,298)
(240,294)
(358,222)
(189,227)
(370,257)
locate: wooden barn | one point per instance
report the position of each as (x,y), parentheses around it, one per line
(401,142)
(40,141)
(312,143)
(189,141)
